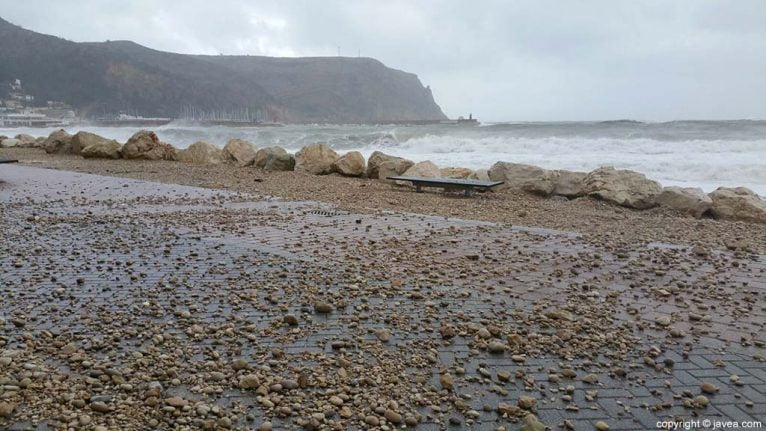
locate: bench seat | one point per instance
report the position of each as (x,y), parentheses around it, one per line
(469,186)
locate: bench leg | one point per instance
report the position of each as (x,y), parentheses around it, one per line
(418,189)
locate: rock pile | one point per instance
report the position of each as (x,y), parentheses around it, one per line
(620,187)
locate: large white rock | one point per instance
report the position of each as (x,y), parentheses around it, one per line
(377,158)
(738,203)
(569,183)
(350,164)
(315,159)
(240,152)
(201,153)
(622,187)
(690,200)
(106,149)
(263,154)
(145,145)
(59,142)
(519,176)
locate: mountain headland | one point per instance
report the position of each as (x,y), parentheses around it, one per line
(106,78)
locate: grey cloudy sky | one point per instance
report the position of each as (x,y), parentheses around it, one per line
(501,60)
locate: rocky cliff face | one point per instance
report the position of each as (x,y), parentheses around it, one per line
(337,89)
(116,76)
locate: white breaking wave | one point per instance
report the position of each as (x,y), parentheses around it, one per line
(696,163)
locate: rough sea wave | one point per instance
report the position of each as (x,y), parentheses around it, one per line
(705,154)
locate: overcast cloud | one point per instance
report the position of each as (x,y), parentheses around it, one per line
(500,60)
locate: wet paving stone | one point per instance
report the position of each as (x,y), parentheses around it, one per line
(136,305)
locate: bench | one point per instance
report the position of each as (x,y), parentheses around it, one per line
(2,160)
(469,186)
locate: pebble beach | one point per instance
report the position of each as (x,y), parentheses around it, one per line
(159,294)
(599,221)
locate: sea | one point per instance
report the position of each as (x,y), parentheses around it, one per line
(706,154)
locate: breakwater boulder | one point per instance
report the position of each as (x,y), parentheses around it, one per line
(395,165)
(738,203)
(10,143)
(423,169)
(263,154)
(569,183)
(452,172)
(392,168)
(239,152)
(689,200)
(80,140)
(317,159)
(528,178)
(60,142)
(106,149)
(145,145)
(27,141)
(623,187)
(279,161)
(201,153)
(350,164)
(480,174)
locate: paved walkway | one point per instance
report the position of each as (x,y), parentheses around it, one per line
(139,305)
